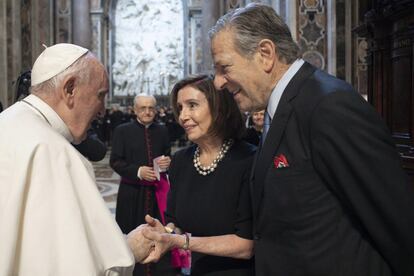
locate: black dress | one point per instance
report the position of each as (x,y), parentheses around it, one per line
(213,205)
(133,146)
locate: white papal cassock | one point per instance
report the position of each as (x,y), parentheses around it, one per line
(53,221)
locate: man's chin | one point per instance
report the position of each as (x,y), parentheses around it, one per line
(78,140)
(243,106)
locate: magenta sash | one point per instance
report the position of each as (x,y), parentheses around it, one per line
(161,190)
(180,258)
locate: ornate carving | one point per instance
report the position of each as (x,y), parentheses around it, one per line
(315,58)
(311,6)
(148,46)
(233,4)
(312,30)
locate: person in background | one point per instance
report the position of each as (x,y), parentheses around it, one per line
(329,194)
(162,117)
(116,117)
(254,132)
(23,85)
(92,147)
(52,216)
(135,145)
(208,210)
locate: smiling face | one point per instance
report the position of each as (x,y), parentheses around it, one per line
(194,113)
(242,76)
(258,119)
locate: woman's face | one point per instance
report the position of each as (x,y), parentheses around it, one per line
(194,113)
(258,118)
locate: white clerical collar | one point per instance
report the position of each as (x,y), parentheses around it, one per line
(281,85)
(49,115)
(146,126)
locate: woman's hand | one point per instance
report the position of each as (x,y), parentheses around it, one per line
(162,240)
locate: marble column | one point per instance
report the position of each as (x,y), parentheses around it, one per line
(210,13)
(10,49)
(41,27)
(3,53)
(81,23)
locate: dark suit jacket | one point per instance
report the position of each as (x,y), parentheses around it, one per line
(343,206)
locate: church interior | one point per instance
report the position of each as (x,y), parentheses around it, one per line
(236,208)
(147,45)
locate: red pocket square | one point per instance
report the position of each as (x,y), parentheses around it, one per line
(280,161)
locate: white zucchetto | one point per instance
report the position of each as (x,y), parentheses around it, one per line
(54,60)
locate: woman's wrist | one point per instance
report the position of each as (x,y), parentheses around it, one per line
(186,245)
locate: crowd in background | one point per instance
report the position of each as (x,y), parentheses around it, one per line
(114,116)
(104,126)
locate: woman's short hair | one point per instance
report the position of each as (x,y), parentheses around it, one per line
(227,121)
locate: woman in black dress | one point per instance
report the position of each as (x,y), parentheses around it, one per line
(209,195)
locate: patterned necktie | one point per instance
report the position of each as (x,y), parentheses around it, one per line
(266,126)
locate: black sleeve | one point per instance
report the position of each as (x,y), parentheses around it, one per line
(117,160)
(243,224)
(170,211)
(166,142)
(92,147)
(354,154)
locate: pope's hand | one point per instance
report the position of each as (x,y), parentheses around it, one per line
(140,246)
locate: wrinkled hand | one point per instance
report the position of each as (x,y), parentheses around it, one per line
(164,163)
(147,173)
(140,246)
(162,241)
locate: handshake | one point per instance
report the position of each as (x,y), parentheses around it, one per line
(149,242)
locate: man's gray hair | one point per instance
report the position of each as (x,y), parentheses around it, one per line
(80,68)
(144,95)
(253,23)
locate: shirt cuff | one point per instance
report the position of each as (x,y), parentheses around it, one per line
(139,173)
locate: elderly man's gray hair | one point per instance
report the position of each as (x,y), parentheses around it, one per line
(141,95)
(253,23)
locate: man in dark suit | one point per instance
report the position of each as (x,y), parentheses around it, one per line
(329,194)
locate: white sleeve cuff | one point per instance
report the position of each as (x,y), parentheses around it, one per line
(139,173)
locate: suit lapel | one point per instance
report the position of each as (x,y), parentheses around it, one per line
(281,117)
(264,157)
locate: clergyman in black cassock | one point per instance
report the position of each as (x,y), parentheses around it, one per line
(135,145)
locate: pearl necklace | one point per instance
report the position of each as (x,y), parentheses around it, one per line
(210,168)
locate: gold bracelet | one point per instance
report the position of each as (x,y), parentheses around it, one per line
(187,241)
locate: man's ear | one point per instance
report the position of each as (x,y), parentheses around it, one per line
(69,91)
(267,51)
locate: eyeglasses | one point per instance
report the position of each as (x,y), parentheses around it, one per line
(146,108)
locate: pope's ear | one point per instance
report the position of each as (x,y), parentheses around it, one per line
(267,51)
(69,90)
